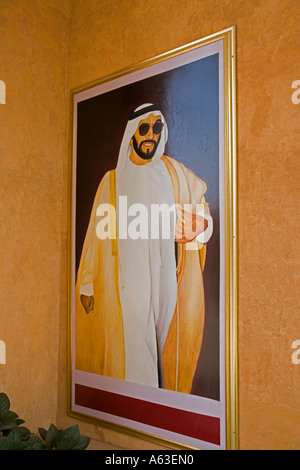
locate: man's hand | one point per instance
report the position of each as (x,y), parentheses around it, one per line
(188,226)
(88,302)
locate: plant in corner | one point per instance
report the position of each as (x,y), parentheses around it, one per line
(13,436)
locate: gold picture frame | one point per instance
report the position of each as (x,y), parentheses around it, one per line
(213,405)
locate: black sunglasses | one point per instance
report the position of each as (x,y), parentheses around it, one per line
(157,128)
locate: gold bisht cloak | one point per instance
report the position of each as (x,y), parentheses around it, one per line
(99,338)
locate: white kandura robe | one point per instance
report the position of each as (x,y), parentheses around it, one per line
(147,274)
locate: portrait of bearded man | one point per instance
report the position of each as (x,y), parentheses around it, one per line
(139,302)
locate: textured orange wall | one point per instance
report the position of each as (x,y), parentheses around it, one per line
(105,36)
(33,150)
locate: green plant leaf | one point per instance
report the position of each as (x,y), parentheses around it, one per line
(82,443)
(4,405)
(9,416)
(43,433)
(51,436)
(8,425)
(33,443)
(60,435)
(73,433)
(19,421)
(6,443)
(16,435)
(24,431)
(64,443)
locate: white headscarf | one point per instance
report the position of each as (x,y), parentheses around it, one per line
(147,270)
(125,148)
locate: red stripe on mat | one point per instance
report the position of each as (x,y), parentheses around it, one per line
(197,426)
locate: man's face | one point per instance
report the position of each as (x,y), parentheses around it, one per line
(147,136)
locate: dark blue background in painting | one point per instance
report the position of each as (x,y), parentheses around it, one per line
(189,96)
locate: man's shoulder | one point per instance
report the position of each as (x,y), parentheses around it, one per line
(170,161)
(106,182)
(107,177)
(182,172)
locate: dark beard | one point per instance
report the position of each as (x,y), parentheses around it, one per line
(138,148)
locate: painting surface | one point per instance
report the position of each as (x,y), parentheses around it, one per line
(189,98)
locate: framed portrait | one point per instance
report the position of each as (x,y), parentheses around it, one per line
(152,252)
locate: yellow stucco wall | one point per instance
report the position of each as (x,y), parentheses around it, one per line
(33,150)
(48,47)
